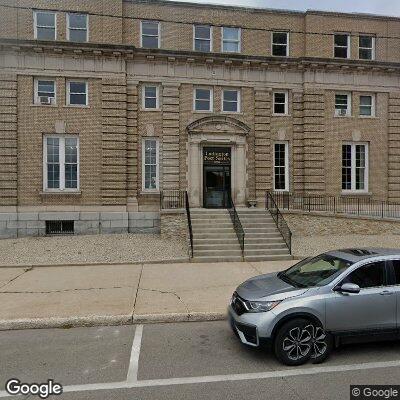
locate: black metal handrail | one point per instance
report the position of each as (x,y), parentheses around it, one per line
(172,199)
(280,222)
(189,220)
(237,225)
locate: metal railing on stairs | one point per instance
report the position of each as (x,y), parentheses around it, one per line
(237,225)
(189,220)
(280,222)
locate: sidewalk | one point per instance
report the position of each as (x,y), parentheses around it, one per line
(44,297)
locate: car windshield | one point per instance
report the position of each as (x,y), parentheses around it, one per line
(317,271)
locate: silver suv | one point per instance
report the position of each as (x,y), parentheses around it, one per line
(334,297)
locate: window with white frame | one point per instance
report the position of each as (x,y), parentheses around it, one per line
(61,163)
(45,24)
(203,99)
(230,39)
(367,106)
(150,34)
(342,104)
(342,45)
(77,27)
(202,38)
(280,103)
(45,91)
(77,93)
(280,44)
(355,167)
(150,166)
(231,100)
(281,166)
(150,97)
(366,47)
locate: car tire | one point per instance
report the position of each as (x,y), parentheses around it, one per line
(321,342)
(292,344)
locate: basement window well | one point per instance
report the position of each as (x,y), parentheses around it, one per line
(59,227)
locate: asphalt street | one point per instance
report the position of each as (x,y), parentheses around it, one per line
(189,360)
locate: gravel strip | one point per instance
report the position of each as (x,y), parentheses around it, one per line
(116,248)
(313,245)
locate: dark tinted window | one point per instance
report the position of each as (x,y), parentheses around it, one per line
(370,275)
(396,267)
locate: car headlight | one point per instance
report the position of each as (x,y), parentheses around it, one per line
(261,306)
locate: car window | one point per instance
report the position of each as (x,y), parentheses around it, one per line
(370,275)
(396,267)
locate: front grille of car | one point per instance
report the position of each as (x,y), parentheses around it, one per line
(238,304)
(249,332)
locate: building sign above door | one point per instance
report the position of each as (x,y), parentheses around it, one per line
(217,155)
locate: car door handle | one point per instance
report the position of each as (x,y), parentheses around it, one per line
(386,293)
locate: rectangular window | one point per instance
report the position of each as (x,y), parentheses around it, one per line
(396,267)
(77,27)
(355,167)
(77,93)
(342,105)
(150,34)
(203,100)
(61,163)
(45,91)
(367,106)
(45,25)
(281,166)
(202,38)
(366,47)
(342,45)
(150,97)
(150,156)
(230,100)
(230,39)
(280,44)
(280,106)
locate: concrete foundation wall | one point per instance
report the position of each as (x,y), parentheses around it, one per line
(13,225)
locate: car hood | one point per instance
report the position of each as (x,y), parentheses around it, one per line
(268,287)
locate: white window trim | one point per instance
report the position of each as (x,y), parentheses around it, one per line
(157,189)
(144,97)
(238,101)
(36,90)
(194,36)
(373,106)
(68,92)
(35,12)
(348,45)
(211,99)
(353,168)
(367,48)
(80,29)
(287,43)
(349,105)
(62,164)
(239,41)
(158,32)
(286,103)
(286,166)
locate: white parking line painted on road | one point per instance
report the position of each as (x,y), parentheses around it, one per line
(226,378)
(135,353)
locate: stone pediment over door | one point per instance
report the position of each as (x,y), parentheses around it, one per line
(219,124)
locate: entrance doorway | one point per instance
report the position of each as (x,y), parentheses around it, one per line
(217,177)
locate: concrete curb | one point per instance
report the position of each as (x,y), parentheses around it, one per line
(106,320)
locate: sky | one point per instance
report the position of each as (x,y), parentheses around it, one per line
(381,7)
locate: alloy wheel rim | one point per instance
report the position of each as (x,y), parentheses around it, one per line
(297,343)
(318,340)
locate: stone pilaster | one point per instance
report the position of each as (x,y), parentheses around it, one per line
(8,140)
(297,168)
(170,137)
(394,147)
(114,141)
(314,153)
(262,142)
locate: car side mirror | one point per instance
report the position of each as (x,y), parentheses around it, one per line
(349,288)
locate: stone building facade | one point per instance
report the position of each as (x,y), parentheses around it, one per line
(104,104)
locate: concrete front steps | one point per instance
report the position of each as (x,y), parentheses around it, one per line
(263,241)
(214,238)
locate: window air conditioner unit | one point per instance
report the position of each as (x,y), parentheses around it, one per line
(341,112)
(46,100)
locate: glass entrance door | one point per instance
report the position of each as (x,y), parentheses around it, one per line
(217,185)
